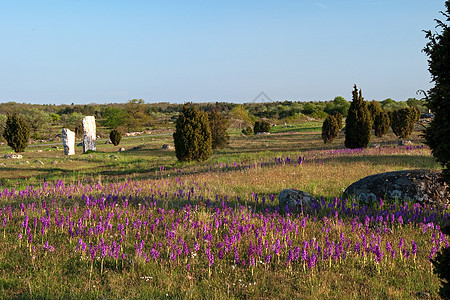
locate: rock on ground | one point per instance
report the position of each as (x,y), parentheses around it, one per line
(422,186)
(295,199)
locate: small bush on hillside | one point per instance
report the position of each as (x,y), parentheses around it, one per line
(17,133)
(330,129)
(115,136)
(219,125)
(402,122)
(358,123)
(381,123)
(261,126)
(192,137)
(247,130)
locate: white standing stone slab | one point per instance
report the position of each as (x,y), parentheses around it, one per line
(68,137)
(90,136)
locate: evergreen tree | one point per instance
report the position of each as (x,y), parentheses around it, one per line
(358,123)
(261,126)
(115,136)
(192,137)
(330,128)
(338,117)
(438,133)
(219,125)
(381,123)
(402,121)
(374,109)
(17,133)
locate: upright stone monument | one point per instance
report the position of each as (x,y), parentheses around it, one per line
(89,133)
(68,137)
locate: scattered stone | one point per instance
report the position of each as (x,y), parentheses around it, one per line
(295,199)
(79,144)
(89,136)
(404,143)
(39,162)
(13,156)
(167,147)
(54,162)
(108,141)
(115,157)
(39,150)
(122,150)
(262,133)
(423,186)
(55,147)
(68,141)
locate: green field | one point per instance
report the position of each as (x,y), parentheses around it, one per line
(212,229)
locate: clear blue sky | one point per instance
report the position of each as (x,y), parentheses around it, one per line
(102,51)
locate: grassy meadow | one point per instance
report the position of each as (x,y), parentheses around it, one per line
(138,224)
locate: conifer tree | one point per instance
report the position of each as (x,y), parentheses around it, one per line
(219,125)
(358,123)
(381,123)
(17,133)
(438,51)
(330,129)
(192,137)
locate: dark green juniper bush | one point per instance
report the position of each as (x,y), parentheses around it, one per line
(17,133)
(358,123)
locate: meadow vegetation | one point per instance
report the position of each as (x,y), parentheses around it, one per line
(141,224)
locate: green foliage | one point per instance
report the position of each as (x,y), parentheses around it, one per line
(192,138)
(330,129)
(261,126)
(241,117)
(39,122)
(382,123)
(3,119)
(438,51)
(339,104)
(55,117)
(402,121)
(247,130)
(17,133)
(219,125)
(374,109)
(137,116)
(115,136)
(114,117)
(339,118)
(358,123)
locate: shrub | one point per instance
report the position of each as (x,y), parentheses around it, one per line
(261,126)
(438,51)
(374,108)
(247,130)
(219,125)
(402,121)
(330,129)
(192,137)
(381,123)
(338,117)
(358,123)
(115,136)
(17,133)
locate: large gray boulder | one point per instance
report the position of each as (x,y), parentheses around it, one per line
(422,186)
(295,199)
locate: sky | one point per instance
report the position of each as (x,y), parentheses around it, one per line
(111,51)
